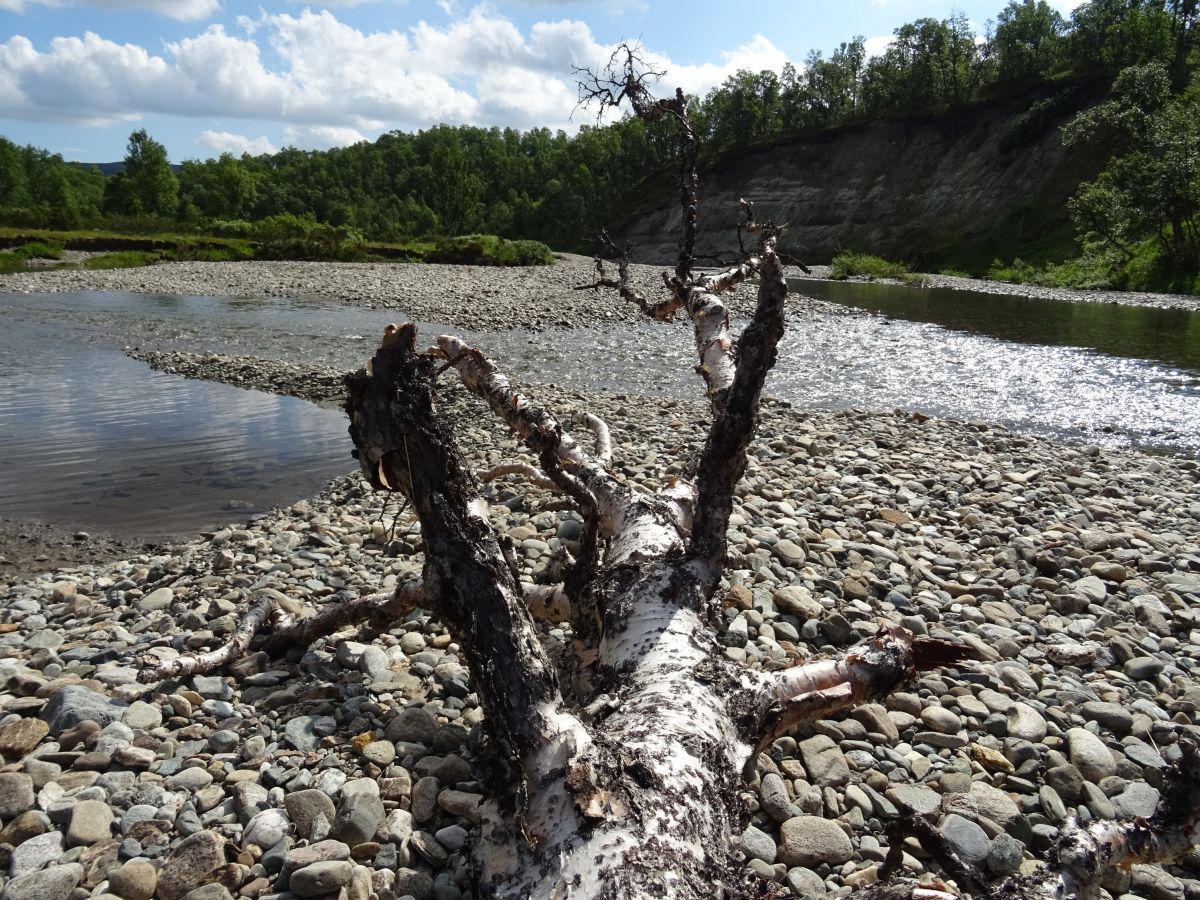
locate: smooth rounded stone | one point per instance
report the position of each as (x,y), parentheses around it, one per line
(773,796)
(305,732)
(1110,571)
(91,822)
(223,741)
(134,880)
(1089,755)
(157,599)
(1138,799)
(941,720)
(804,882)
(966,838)
(1141,668)
(358,818)
(920,799)
(1052,804)
(429,848)
(812,840)
(188,865)
(424,798)
(1005,855)
(874,717)
(382,753)
(412,642)
(266,829)
(16,794)
(1113,716)
(321,878)
(25,826)
(461,803)
(1091,588)
(983,800)
(46,639)
(211,891)
(452,837)
(142,715)
(757,844)
(796,600)
(135,757)
(19,737)
(74,704)
(790,553)
(373,662)
(54,883)
(415,725)
(306,808)
(192,779)
(1066,780)
(36,853)
(824,762)
(1025,722)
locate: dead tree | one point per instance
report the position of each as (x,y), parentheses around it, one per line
(622,778)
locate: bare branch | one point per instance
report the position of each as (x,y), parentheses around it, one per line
(380,611)
(199,663)
(600,431)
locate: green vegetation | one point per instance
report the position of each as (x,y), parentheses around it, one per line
(404,194)
(122,259)
(862,265)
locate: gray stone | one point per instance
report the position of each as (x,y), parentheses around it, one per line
(757,844)
(305,732)
(142,715)
(798,601)
(266,829)
(452,837)
(812,840)
(1089,755)
(74,704)
(1113,716)
(55,883)
(825,763)
(775,800)
(321,878)
(382,753)
(211,891)
(1026,723)
(940,720)
(1141,668)
(358,818)
(1005,854)
(424,798)
(918,798)
(156,600)
(415,725)
(1138,799)
(35,853)
(1091,588)
(966,838)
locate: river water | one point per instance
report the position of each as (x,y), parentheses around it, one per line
(90,438)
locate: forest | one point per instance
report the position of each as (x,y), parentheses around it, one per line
(1139,218)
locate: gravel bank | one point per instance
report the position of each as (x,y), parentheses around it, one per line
(480,297)
(1073,573)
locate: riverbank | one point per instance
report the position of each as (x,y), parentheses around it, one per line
(1072,573)
(1189,303)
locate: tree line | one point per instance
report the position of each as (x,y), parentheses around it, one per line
(560,189)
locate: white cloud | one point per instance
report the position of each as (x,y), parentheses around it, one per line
(320,137)
(331,82)
(237,144)
(184,10)
(877,45)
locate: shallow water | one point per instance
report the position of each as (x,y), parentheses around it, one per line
(76,415)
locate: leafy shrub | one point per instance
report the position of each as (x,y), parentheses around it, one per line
(489,250)
(847,264)
(39,250)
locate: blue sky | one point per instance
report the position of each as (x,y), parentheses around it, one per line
(206,76)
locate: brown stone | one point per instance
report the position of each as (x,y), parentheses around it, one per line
(190,865)
(19,737)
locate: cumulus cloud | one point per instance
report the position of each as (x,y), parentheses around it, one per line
(320,137)
(237,144)
(332,82)
(184,10)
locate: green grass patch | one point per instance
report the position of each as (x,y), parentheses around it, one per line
(122,259)
(489,250)
(11,262)
(847,264)
(40,250)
